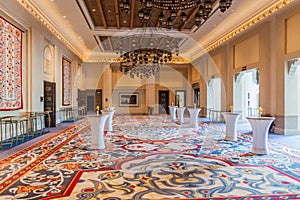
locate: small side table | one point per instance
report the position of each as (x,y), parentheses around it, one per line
(180,111)
(194,112)
(260,128)
(173,112)
(231,122)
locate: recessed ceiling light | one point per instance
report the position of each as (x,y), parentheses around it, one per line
(109,11)
(94,10)
(125,21)
(65,16)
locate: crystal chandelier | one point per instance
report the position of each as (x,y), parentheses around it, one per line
(143,52)
(144,62)
(203,12)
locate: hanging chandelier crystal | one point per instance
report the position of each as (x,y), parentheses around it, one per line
(142,52)
(203,12)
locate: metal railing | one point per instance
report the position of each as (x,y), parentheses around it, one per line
(252,112)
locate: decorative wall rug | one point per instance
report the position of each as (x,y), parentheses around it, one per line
(66,82)
(196,164)
(10,66)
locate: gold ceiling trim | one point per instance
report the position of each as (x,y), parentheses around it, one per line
(101,60)
(35,12)
(254,20)
(175,60)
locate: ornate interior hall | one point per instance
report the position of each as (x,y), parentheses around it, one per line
(149,99)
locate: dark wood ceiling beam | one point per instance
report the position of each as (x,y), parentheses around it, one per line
(101,13)
(132,13)
(117,13)
(190,17)
(177,16)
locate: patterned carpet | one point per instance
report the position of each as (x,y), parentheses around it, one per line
(150,157)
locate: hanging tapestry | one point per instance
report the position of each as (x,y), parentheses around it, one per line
(10,66)
(66,82)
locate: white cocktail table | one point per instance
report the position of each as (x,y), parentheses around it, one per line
(194,112)
(97,124)
(231,119)
(180,112)
(109,112)
(173,112)
(260,128)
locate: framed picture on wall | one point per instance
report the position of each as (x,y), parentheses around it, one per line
(127,99)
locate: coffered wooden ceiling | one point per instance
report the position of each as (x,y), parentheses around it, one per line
(106,14)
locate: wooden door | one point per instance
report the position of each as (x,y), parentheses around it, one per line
(197,96)
(163,99)
(91,104)
(98,98)
(50,103)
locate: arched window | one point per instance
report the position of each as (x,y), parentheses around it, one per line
(47,60)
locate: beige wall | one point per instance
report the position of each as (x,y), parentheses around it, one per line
(229,58)
(246,52)
(265,47)
(292,34)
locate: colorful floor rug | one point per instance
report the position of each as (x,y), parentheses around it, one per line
(150,157)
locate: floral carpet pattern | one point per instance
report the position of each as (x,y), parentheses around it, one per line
(150,157)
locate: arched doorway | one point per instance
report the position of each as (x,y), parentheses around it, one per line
(246,92)
(214,93)
(292,97)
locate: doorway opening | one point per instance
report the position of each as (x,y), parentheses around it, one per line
(292,97)
(196,89)
(163,100)
(98,98)
(246,93)
(180,98)
(214,93)
(197,96)
(94,98)
(90,104)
